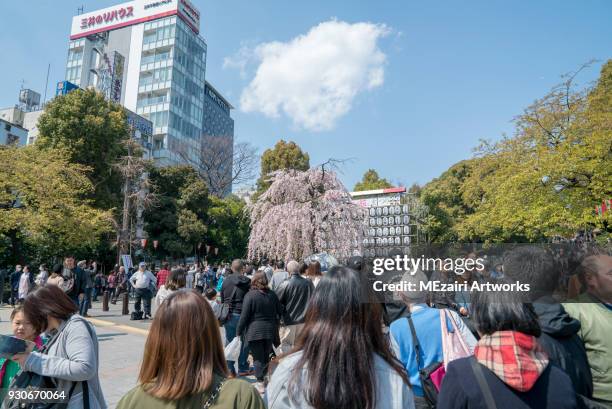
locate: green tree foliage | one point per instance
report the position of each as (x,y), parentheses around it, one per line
(416,189)
(443,197)
(371,181)
(544,181)
(91,129)
(44,210)
(284,155)
(229,228)
(179,217)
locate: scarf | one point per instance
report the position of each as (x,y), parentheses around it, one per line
(515,358)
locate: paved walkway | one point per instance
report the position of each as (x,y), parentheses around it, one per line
(121,347)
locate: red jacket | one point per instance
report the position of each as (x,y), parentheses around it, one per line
(162,277)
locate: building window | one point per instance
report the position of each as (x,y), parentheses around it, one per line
(159,75)
(12,139)
(158,34)
(75,55)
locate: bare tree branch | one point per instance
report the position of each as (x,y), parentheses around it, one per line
(220,163)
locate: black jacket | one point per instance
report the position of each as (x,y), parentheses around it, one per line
(16,277)
(564,347)
(294,294)
(261,313)
(460,390)
(242,285)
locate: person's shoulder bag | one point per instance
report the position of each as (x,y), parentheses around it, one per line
(224,313)
(428,374)
(482,384)
(68,281)
(214,395)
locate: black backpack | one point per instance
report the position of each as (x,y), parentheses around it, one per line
(136,315)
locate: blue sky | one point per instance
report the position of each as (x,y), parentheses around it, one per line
(454,72)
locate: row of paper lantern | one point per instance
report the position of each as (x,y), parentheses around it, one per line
(389,210)
(388,231)
(389,221)
(386,241)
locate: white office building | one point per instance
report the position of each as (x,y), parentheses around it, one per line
(148,56)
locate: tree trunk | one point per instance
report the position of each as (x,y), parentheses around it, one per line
(123,235)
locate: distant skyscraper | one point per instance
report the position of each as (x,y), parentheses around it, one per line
(218,140)
(148,56)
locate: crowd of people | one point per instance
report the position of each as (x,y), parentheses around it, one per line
(317,339)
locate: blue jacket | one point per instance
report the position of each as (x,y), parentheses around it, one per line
(429,334)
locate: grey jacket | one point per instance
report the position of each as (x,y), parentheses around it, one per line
(72,357)
(391,391)
(277,279)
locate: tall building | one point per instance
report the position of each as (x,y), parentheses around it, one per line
(217,151)
(148,56)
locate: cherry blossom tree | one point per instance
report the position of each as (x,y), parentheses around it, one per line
(305,212)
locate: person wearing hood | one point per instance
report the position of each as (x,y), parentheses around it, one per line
(560,332)
(509,369)
(235,286)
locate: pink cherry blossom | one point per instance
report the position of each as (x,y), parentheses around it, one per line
(305,212)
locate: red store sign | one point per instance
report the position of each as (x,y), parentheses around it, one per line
(110,16)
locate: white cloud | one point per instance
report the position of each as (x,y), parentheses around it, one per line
(313,78)
(240,59)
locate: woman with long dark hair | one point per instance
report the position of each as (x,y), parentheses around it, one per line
(184,365)
(341,359)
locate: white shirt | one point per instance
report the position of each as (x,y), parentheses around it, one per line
(162,294)
(189,280)
(142,279)
(214,305)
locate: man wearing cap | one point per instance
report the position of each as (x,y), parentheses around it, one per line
(142,281)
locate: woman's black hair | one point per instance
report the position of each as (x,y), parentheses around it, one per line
(341,336)
(210,293)
(176,279)
(494,311)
